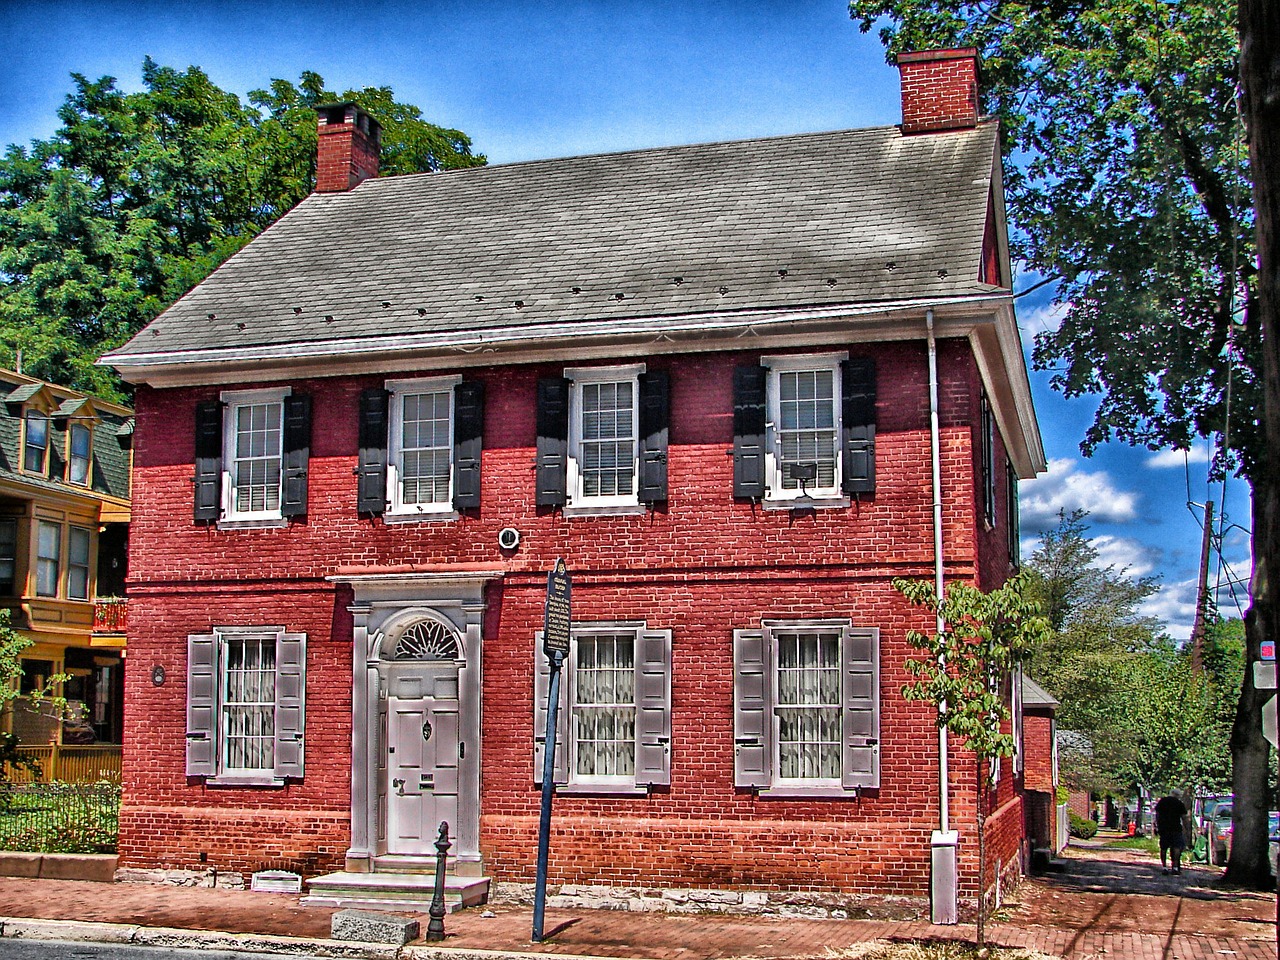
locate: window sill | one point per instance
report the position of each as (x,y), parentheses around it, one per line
(273,523)
(589,510)
(799,792)
(267,780)
(420,516)
(812,503)
(602,789)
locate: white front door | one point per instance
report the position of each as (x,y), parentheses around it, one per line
(422,772)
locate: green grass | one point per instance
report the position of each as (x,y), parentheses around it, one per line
(1149,844)
(60,818)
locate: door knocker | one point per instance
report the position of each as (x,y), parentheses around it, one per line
(426,730)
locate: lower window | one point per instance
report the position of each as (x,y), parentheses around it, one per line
(613,727)
(246,705)
(807,707)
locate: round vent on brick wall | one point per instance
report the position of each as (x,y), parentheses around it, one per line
(508,538)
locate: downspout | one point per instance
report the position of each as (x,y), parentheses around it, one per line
(935,456)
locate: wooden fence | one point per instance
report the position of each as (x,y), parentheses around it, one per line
(69,764)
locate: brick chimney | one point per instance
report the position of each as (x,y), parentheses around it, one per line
(348,149)
(939,90)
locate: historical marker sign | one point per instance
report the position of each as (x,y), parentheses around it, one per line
(555,637)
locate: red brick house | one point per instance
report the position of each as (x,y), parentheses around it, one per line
(729,383)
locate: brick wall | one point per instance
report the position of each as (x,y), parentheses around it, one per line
(701,566)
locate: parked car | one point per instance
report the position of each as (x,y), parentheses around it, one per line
(1219,827)
(1273,837)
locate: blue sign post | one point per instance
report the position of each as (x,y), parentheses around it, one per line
(555,644)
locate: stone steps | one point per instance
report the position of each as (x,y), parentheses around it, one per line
(394,891)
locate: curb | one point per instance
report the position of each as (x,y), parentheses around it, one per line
(17,928)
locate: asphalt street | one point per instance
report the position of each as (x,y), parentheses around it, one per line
(61,950)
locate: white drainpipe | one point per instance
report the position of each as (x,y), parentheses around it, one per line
(943,883)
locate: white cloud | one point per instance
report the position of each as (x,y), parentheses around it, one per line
(1042,319)
(1066,487)
(1163,459)
(1126,554)
(1175,604)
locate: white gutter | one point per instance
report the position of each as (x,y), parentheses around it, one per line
(935,456)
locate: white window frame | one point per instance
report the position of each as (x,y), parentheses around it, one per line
(74,567)
(232,401)
(42,560)
(72,458)
(775,491)
(579,378)
(226,639)
(399,389)
(774,630)
(625,782)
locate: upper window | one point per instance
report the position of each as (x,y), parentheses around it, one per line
(614,719)
(245,705)
(79,541)
(48,558)
(807,707)
(420,445)
(252,450)
(36,446)
(1013,524)
(804,429)
(604,423)
(602,438)
(420,451)
(987,445)
(8,557)
(79,445)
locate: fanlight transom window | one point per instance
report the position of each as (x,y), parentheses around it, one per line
(427,640)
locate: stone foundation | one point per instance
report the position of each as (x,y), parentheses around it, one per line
(183,878)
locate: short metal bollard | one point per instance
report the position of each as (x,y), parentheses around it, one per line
(435,928)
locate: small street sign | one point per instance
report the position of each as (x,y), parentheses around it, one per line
(555,637)
(1264,675)
(1268,650)
(1269,727)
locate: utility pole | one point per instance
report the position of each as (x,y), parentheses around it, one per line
(1202,595)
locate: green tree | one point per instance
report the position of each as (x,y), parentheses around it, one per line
(139,196)
(12,644)
(1129,190)
(970,662)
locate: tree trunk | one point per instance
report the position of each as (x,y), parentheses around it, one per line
(1260,77)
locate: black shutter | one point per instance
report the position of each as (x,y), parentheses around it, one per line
(208,479)
(748,431)
(297,453)
(372,468)
(858,425)
(468,424)
(553,442)
(655,417)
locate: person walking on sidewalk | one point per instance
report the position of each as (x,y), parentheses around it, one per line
(1169,813)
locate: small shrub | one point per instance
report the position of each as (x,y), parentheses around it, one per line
(1081,828)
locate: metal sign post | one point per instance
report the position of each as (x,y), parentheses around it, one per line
(555,644)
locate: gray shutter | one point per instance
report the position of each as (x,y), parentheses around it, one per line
(297,453)
(208,478)
(202,705)
(541,687)
(553,442)
(291,703)
(371,470)
(653,708)
(1016,711)
(861,696)
(752,710)
(858,425)
(468,426)
(748,431)
(655,417)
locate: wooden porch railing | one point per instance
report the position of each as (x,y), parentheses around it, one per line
(69,764)
(111,615)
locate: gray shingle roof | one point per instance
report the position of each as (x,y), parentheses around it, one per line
(847,217)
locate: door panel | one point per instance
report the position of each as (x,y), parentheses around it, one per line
(422,772)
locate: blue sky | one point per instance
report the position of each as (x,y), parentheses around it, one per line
(560,78)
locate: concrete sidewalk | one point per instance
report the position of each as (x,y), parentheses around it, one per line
(1113,905)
